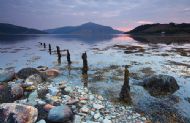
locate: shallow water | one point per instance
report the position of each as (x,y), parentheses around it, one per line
(107,56)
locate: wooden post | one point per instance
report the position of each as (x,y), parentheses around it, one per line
(44,45)
(58,52)
(68,57)
(125,90)
(50,49)
(85,70)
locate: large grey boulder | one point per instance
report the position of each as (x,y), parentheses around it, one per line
(60,114)
(160,85)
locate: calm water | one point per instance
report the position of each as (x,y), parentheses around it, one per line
(107,56)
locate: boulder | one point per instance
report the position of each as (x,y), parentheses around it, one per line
(52,72)
(160,85)
(6,75)
(35,79)
(26,72)
(18,113)
(42,68)
(17,91)
(60,114)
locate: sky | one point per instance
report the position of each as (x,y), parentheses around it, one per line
(119,14)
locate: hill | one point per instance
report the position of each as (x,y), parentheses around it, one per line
(13,29)
(170,28)
(84,29)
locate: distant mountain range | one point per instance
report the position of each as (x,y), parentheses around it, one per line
(170,28)
(84,29)
(13,29)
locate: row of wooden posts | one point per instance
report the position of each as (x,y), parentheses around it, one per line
(125,90)
(84,57)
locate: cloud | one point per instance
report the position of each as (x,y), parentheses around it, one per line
(144,22)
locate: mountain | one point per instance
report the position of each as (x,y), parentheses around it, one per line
(84,29)
(170,28)
(13,29)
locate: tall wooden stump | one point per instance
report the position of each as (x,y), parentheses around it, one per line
(125,90)
(58,54)
(44,45)
(85,69)
(50,49)
(68,57)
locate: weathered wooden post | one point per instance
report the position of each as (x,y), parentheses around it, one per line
(85,69)
(125,90)
(44,45)
(58,54)
(50,49)
(68,57)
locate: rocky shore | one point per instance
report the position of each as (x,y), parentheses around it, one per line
(31,95)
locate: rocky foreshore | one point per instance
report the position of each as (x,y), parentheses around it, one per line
(30,96)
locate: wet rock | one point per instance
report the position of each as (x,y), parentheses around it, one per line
(53,91)
(78,119)
(17,91)
(106,121)
(26,72)
(160,85)
(35,79)
(32,98)
(84,109)
(60,114)
(47,107)
(41,121)
(18,113)
(98,106)
(42,68)
(52,72)
(6,75)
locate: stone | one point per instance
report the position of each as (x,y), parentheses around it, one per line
(18,113)
(84,109)
(6,75)
(26,72)
(60,114)
(97,115)
(17,91)
(42,68)
(30,88)
(35,79)
(160,85)
(47,107)
(41,121)
(53,91)
(68,89)
(77,119)
(32,98)
(97,106)
(52,72)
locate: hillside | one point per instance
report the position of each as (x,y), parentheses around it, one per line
(84,29)
(171,28)
(13,29)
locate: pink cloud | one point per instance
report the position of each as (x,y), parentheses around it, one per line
(125,29)
(144,22)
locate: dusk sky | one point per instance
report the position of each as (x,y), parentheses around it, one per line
(120,14)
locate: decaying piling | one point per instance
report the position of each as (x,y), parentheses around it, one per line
(85,63)
(44,45)
(125,90)
(85,69)
(50,49)
(58,54)
(68,57)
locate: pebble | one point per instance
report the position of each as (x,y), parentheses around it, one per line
(97,115)
(84,109)
(98,106)
(41,121)
(106,121)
